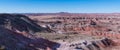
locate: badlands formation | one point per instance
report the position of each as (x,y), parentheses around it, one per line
(60,31)
(81,31)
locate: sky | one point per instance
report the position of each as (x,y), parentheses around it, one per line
(54,6)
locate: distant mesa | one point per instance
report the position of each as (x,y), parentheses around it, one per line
(63,12)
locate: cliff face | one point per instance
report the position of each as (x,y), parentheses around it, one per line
(20,23)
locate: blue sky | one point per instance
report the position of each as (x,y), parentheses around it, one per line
(53,6)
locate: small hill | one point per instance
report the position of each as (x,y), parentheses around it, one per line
(20,23)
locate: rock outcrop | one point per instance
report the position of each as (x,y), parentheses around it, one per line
(101,44)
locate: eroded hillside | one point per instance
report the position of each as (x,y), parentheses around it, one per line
(16,33)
